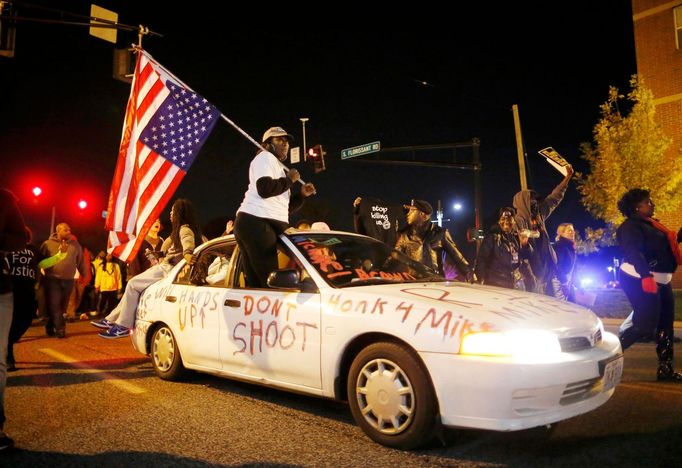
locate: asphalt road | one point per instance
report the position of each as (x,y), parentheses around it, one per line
(85,401)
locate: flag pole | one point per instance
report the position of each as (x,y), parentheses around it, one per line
(224,117)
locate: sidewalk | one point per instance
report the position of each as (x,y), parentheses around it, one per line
(615,322)
(612,306)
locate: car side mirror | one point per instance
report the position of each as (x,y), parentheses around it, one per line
(284,279)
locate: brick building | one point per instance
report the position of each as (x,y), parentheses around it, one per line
(658,45)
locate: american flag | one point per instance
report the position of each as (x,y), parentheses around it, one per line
(165,126)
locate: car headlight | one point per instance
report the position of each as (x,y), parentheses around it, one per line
(525,344)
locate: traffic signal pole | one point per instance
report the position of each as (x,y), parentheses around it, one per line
(475,166)
(305,150)
(54,215)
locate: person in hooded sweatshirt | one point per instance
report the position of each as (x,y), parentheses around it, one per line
(531,212)
(59,280)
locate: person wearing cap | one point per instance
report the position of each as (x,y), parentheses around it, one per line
(264,212)
(431,244)
(531,212)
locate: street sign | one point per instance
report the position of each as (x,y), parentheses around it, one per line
(361,150)
(295,155)
(110,17)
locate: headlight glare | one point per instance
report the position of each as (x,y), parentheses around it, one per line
(524,344)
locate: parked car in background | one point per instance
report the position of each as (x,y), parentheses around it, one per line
(348,318)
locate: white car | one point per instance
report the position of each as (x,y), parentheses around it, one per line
(348,318)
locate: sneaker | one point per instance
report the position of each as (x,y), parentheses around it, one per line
(116,331)
(103,323)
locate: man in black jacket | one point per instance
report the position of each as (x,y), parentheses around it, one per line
(431,244)
(500,260)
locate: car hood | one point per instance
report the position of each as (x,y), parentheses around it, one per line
(489,307)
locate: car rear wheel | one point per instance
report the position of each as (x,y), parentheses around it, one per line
(165,355)
(391,397)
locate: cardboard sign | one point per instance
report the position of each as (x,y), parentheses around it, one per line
(555,159)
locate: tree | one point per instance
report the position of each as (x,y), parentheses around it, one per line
(629,152)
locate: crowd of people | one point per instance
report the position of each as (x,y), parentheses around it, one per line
(516,252)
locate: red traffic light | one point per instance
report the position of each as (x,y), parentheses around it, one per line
(316,155)
(37,191)
(82,204)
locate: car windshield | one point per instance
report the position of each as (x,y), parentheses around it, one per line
(346,260)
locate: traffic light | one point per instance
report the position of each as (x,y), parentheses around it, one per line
(7,29)
(82,204)
(316,155)
(37,191)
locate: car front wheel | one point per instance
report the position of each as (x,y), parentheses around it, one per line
(391,397)
(165,355)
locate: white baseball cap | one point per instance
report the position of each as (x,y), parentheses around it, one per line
(276,132)
(319,226)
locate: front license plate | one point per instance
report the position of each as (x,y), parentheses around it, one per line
(612,373)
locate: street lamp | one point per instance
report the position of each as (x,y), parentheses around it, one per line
(439,215)
(305,150)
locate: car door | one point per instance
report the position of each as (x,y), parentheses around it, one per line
(194,307)
(272,334)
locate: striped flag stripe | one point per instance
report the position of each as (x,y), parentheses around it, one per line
(126,220)
(153,212)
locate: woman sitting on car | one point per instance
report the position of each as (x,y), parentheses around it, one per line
(181,243)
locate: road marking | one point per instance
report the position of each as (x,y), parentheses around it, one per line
(108,378)
(652,386)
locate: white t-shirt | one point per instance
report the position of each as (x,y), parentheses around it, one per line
(265,164)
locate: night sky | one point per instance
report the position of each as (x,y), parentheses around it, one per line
(358,77)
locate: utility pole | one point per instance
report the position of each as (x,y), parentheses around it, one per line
(478,198)
(519,148)
(475,166)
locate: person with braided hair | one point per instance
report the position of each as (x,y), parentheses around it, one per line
(651,253)
(185,236)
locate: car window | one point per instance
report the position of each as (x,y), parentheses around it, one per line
(345,260)
(210,268)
